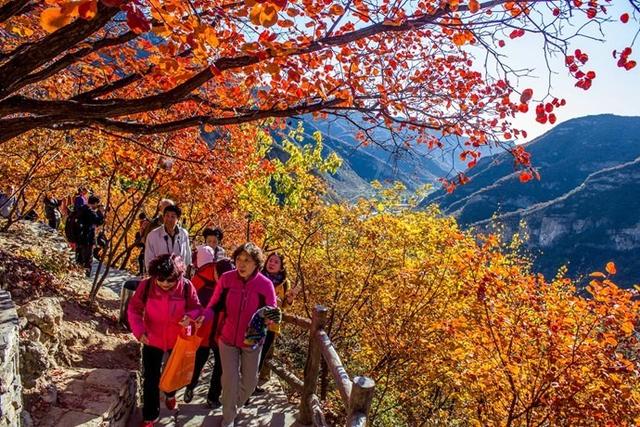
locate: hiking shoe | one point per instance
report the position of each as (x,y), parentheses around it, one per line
(214,403)
(170,403)
(149,423)
(188,395)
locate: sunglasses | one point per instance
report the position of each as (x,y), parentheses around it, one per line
(167,279)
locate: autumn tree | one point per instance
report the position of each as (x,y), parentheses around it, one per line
(148,67)
(454,328)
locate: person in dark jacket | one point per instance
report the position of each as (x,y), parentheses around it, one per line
(90,216)
(52,211)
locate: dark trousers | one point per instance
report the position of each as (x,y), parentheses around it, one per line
(151,371)
(141,263)
(268,342)
(215,386)
(84,255)
(54,223)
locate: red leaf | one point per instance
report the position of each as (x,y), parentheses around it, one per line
(523,108)
(136,19)
(501,43)
(525,176)
(556,12)
(591,75)
(624,18)
(629,65)
(88,9)
(548,107)
(526,95)
(552,118)
(592,12)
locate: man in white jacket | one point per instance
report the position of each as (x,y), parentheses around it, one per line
(169,238)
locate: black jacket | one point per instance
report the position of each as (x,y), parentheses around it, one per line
(88,220)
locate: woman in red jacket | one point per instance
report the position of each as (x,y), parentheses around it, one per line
(240,293)
(162,306)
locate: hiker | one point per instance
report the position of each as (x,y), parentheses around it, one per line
(143,224)
(162,305)
(52,207)
(7,201)
(274,270)
(89,217)
(156,221)
(81,198)
(168,239)
(204,280)
(237,296)
(213,238)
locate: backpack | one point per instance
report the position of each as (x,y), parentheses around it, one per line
(72,227)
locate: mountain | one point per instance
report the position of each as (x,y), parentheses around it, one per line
(413,166)
(583,211)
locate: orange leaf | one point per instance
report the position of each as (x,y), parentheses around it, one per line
(336,9)
(474,6)
(53,19)
(611,268)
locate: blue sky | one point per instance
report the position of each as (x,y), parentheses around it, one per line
(614,90)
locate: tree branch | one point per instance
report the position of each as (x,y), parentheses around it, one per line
(51,46)
(12,8)
(16,126)
(69,59)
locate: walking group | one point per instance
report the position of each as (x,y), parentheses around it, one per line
(232,304)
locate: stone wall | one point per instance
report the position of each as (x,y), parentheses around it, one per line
(10,385)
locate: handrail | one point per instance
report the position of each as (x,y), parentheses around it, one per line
(334,363)
(356,394)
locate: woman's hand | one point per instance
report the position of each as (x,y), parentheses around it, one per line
(198,322)
(144,339)
(186,321)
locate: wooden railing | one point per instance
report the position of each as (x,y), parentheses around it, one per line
(356,394)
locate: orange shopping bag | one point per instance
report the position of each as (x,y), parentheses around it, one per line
(178,370)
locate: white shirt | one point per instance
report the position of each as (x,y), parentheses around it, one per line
(160,243)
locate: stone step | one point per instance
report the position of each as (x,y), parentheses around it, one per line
(270,409)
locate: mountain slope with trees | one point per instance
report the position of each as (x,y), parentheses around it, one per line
(583,211)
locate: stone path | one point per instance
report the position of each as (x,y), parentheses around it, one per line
(270,409)
(114,280)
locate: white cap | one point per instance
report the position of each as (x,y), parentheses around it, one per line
(205,255)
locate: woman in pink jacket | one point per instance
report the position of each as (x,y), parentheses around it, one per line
(238,295)
(162,306)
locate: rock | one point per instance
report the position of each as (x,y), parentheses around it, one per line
(46,313)
(34,361)
(32,334)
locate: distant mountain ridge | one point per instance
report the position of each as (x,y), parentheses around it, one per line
(585,211)
(413,166)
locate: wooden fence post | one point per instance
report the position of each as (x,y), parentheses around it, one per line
(360,401)
(312,365)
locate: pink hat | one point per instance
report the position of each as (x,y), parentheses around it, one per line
(205,255)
